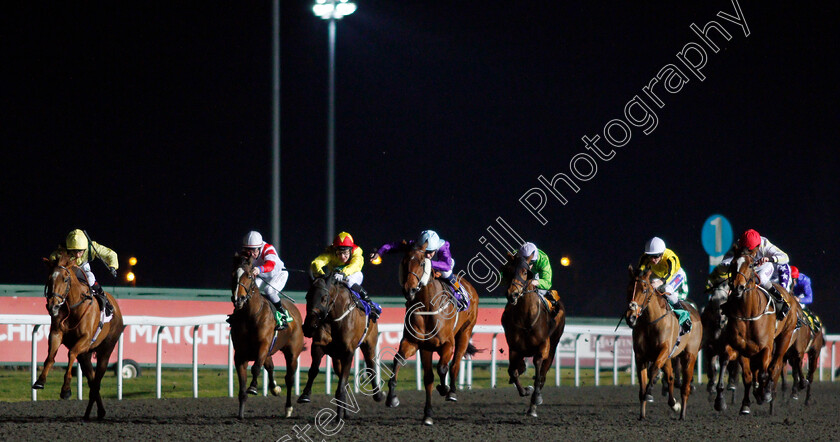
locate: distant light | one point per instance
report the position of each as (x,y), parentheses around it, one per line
(129,276)
(132,261)
(336,9)
(376,261)
(565,261)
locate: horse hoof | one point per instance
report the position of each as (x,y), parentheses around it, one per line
(794,396)
(677,407)
(443,390)
(378,396)
(304,399)
(65,394)
(38,385)
(648,398)
(392,402)
(276,390)
(252,391)
(745,410)
(720,404)
(532,411)
(289,411)
(527,391)
(538,400)
(428,421)
(451,397)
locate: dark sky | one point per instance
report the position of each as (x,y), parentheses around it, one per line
(149,125)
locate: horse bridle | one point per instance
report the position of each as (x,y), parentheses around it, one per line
(747,280)
(328,306)
(426,273)
(514,298)
(49,294)
(648,295)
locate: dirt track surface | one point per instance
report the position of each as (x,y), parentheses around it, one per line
(586,413)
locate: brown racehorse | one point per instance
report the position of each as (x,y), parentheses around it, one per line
(754,333)
(329,302)
(655,333)
(75,323)
(253,336)
(432,325)
(715,343)
(804,341)
(532,329)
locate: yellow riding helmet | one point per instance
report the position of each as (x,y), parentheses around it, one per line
(76,240)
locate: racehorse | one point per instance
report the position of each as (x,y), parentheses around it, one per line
(329,303)
(77,322)
(714,342)
(254,338)
(804,341)
(753,332)
(432,325)
(656,340)
(532,329)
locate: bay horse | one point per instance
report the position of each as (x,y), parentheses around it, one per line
(715,343)
(433,324)
(655,340)
(254,339)
(76,322)
(804,341)
(329,303)
(532,329)
(753,332)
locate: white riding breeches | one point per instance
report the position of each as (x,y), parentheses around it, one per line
(90,278)
(355,278)
(765,274)
(273,286)
(676,287)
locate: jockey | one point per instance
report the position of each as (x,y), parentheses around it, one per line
(771,265)
(540,266)
(347,258)
(802,291)
(437,250)
(268,271)
(80,247)
(671,278)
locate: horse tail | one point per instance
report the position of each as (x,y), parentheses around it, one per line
(472,350)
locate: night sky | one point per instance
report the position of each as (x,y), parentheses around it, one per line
(149,125)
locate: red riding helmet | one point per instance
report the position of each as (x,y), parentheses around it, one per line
(750,239)
(343,239)
(794,272)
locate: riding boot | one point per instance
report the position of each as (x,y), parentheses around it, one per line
(96,290)
(459,295)
(782,307)
(685,327)
(374,311)
(281,315)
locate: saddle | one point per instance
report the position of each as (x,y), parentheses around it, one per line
(462,301)
(360,303)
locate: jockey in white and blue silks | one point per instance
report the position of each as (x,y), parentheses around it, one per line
(771,265)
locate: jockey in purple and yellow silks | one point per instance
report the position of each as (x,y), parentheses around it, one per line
(347,258)
(437,250)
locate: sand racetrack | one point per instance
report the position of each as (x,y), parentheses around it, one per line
(586,413)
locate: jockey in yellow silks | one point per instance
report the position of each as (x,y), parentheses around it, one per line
(344,256)
(670,280)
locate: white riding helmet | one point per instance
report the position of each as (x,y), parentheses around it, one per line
(252,240)
(432,239)
(527,250)
(655,246)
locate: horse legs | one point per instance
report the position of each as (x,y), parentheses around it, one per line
(102,358)
(644,386)
(516,367)
(242,374)
(813,363)
(711,369)
(317,354)
(269,368)
(747,376)
(428,381)
(687,375)
(461,342)
(539,370)
(668,381)
(55,342)
(407,350)
(720,401)
(80,347)
(291,369)
(446,352)
(367,353)
(87,369)
(342,369)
